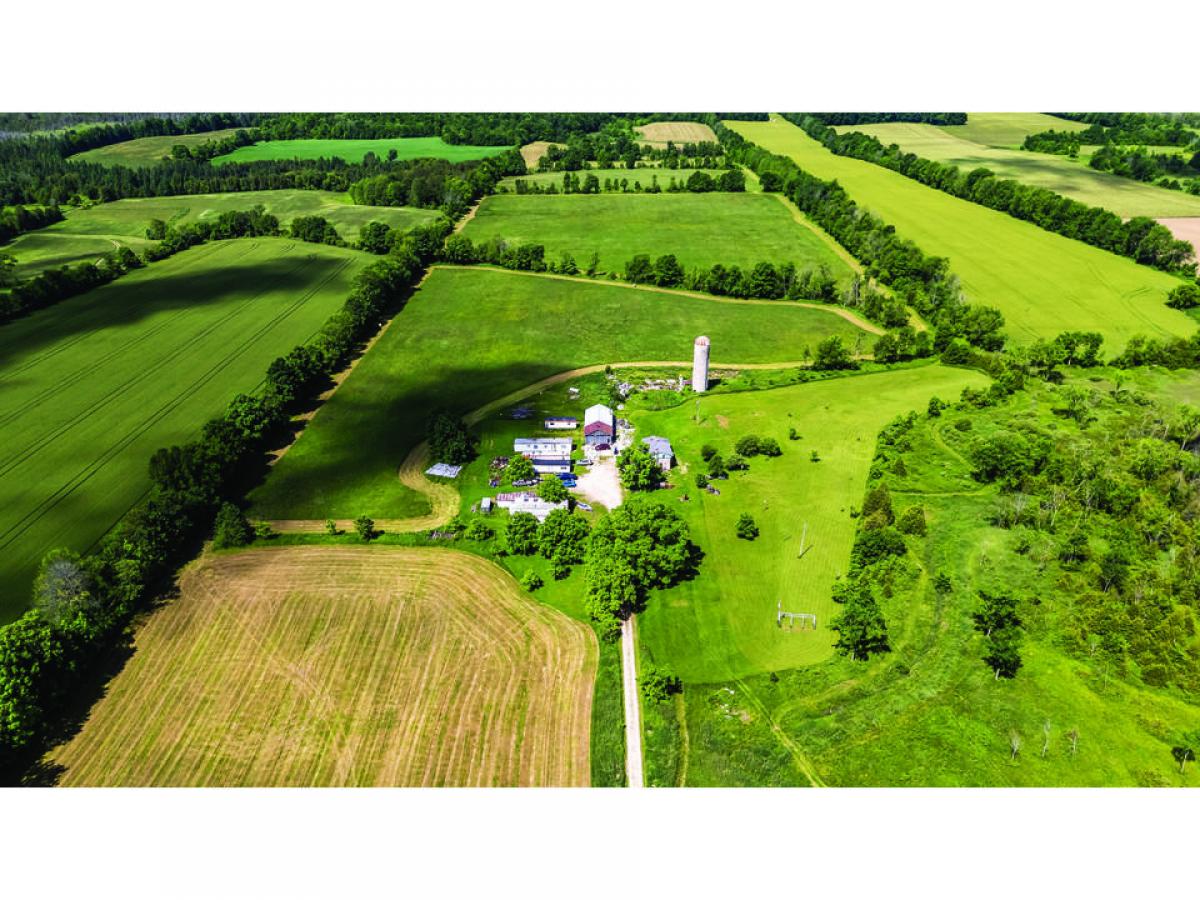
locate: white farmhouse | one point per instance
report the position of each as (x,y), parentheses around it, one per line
(660,449)
(528,501)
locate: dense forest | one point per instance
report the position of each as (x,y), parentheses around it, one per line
(1140,238)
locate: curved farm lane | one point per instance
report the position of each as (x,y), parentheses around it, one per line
(855,320)
(443,498)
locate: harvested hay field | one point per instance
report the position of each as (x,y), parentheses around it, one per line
(659,133)
(345,666)
(1185,229)
(532,152)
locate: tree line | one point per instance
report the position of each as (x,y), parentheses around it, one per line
(1141,238)
(15,220)
(868,118)
(915,279)
(729,181)
(82,606)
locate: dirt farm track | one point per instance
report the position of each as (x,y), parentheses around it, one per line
(341,666)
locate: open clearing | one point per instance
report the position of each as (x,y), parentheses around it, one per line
(1043,283)
(339,666)
(1006,129)
(148,151)
(345,462)
(1186,230)
(534,151)
(353,150)
(1124,196)
(700,229)
(722,624)
(85,234)
(661,133)
(92,386)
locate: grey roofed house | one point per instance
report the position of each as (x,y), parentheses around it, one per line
(660,449)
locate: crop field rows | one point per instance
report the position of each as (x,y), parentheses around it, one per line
(207,322)
(345,667)
(1043,283)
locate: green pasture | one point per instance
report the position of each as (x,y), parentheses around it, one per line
(353,150)
(645,176)
(148,151)
(92,386)
(88,233)
(1042,282)
(700,229)
(930,713)
(472,335)
(1008,129)
(1124,196)
(722,624)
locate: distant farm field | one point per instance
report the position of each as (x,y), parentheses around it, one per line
(1043,283)
(1000,129)
(148,151)
(472,335)
(352,150)
(660,133)
(92,386)
(643,176)
(722,624)
(1124,196)
(339,666)
(87,233)
(700,229)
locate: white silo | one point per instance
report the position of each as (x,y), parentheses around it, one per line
(700,365)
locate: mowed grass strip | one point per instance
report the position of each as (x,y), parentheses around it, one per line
(1071,178)
(148,151)
(1008,129)
(339,666)
(700,229)
(91,387)
(353,150)
(472,335)
(722,624)
(1043,283)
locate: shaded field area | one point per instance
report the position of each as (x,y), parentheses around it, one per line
(339,666)
(92,386)
(86,234)
(1071,178)
(353,150)
(148,151)
(434,356)
(700,229)
(1008,129)
(1043,283)
(722,625)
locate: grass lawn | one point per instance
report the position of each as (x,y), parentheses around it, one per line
(1124,196)
(645,176)
(1007,129)
(148,151)
(1043,283)
(434,355)
(94,385)
(85,234)
(371,666)
(700,229)
(722,625)
(353,150)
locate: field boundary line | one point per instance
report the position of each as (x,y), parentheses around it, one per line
(833,309)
